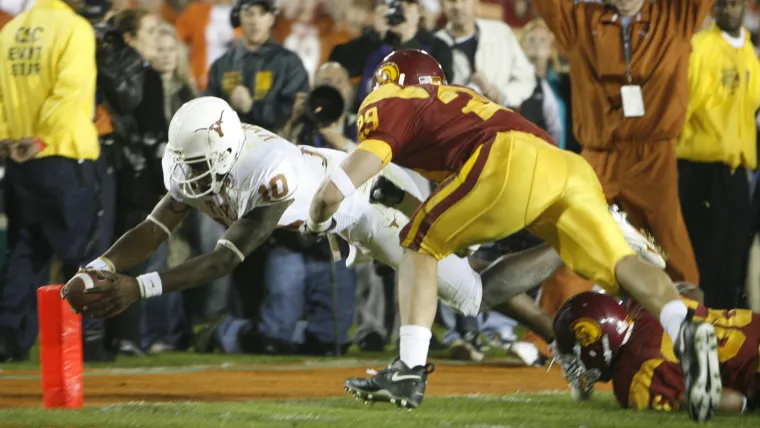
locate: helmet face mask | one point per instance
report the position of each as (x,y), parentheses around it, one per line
(199,159)
(196,177)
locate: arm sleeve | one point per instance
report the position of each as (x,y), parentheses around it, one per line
(523,77)
(121,78)
(385,125)
(274,115)
(693,12)
(560,17)
(698,81)
(74,84)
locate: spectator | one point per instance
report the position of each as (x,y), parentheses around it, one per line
(640,51)
(308,30)
(258,77)
(543,107)
(164,325)
(362,55)
(486,55)
(716,150)
(204,26)
(133,92)
(47,94)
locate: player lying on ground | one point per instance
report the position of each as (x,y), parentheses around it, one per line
(627,345)
(252,181)
(498,174)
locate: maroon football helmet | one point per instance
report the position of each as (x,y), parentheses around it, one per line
(408,67)
(593,327)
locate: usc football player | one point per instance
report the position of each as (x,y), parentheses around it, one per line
(497,173)
(626,345)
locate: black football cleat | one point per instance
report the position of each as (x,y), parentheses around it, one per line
(697,350)
(398,384)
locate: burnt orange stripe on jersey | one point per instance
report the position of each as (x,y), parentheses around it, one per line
(458,194)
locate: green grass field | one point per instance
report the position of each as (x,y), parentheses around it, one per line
(551,409)
(545,409)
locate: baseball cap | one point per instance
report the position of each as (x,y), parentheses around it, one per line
(268,5)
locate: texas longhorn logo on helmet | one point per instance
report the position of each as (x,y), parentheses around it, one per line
(216,126)
(587,331)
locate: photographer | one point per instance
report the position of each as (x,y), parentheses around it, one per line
(333,89)
(397,26)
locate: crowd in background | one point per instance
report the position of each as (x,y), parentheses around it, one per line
(154,55)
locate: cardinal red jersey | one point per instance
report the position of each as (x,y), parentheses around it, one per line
(647,374)
(433,129)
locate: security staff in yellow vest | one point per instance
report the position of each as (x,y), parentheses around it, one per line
(47,96)
(716,149)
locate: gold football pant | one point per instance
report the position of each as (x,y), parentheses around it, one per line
(516,181)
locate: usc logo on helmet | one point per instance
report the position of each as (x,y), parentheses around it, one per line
(587,331)
(388,73)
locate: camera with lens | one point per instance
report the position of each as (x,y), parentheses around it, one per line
(395,15)
(324,106)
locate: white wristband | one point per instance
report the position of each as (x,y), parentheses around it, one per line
(150,285)
(101,263)
(342,181)
(318,227)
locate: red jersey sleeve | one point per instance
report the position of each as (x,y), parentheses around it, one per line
(386,119)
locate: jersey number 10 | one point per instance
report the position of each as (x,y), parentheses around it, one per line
(277,189)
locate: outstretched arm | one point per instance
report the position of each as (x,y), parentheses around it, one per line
(357,169)
(244,236)
(135,246)
(241,239)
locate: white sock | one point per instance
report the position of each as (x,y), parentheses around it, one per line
(672,316)
(414,345)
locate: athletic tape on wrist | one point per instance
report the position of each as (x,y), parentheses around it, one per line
(150,285)
(232,247)
(341,180)
(319,227)
(159,224)
(101,263)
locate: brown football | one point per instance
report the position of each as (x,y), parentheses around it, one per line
(73,291)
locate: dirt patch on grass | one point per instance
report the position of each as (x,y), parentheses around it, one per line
(273,382)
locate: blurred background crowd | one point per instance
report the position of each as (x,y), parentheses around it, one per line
(154,55)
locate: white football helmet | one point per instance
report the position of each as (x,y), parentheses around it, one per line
(205,139)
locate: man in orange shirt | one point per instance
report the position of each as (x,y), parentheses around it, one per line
(630,62)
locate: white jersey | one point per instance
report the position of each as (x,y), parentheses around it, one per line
(269,170)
